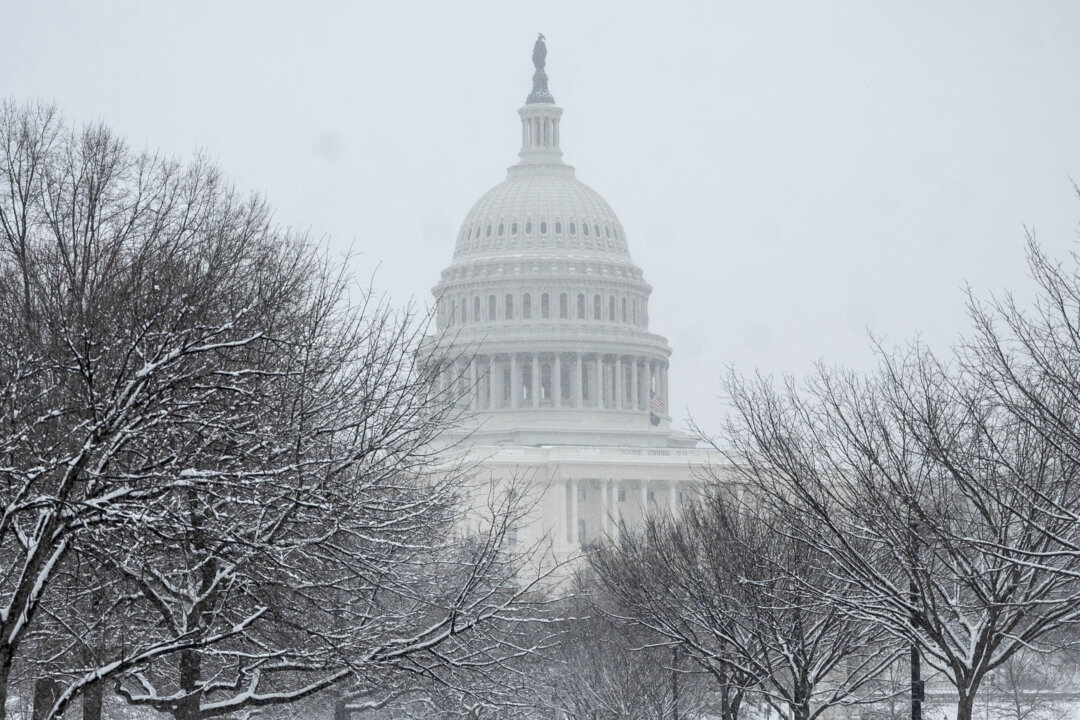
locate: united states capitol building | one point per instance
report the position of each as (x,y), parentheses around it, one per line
(544,319)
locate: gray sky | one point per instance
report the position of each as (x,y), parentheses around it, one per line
(788,174)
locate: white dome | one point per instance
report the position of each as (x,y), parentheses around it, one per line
(537,208)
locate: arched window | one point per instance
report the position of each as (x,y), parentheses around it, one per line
(528,228)
(597,229)
(543,227)
(596,307)
(581,306)
(607,231)
(635,311)
(476,309)
(488,232)
(526,306)
(513,228)
(573,230)
(545,306)
(509,307)
(615,232)
(500,229)
(624,309)
(491,307)
(564,310)
(585,229)
(558,228)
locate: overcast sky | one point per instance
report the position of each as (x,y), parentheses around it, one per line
(789,175)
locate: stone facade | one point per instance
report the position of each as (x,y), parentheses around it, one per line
(544,322)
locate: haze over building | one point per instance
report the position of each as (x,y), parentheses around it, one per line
(545,320)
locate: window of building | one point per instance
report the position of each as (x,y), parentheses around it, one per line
(573,230)
(624,309)
(585,229)
(597,229)
(596,307)
(622,495)
(545,381)
(649,496)
(558,228)
(528,228)
(491,307)
(564,309)
(635,311)
(500,229)
(581,306)
(509,315)
(513,228)
(488,231)
(545,306)
(526,306)
(611,308)
(476,309)
(581,494)
(543,227)
(607,231)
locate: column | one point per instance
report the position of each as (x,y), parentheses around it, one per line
(515,382)
(599,381)
(635,385)
(556,380)
(663,387)
(644,498)
(564,507)
(535,391)
(474,385)
(578,395)
(620,389)
(574,540)
(673,499)
(605,508)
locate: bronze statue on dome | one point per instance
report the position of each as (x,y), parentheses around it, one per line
(539,52)
(540,92)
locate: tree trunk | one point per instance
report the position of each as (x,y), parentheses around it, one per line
(340,713)
(5,676)
(45,693)
(190,669)
(965,705)
(91,701)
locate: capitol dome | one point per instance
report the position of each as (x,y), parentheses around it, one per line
(541,208)
(544,316)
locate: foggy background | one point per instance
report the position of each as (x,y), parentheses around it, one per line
(789,175)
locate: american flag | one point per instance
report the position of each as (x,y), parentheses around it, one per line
(656,403)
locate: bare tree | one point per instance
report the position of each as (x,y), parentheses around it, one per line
(919,484)
(728,582)
(219,482)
